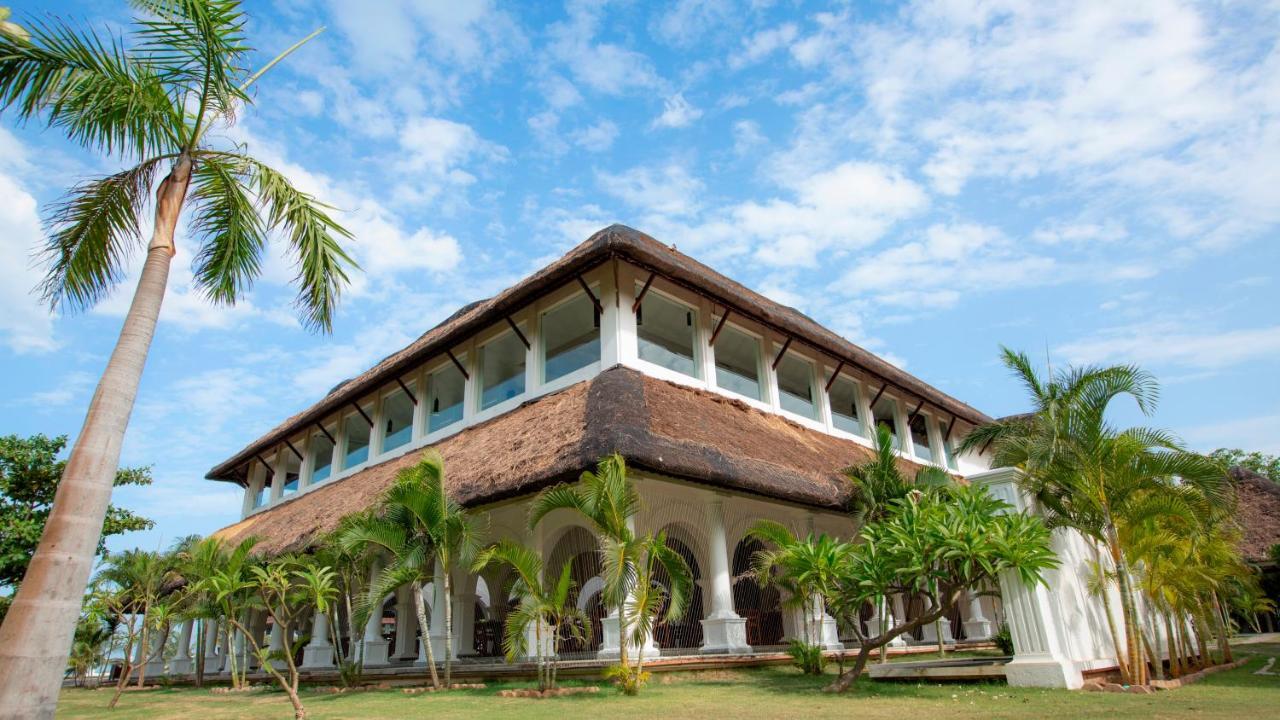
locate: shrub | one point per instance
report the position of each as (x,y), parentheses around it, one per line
(1003,639)
(807,657)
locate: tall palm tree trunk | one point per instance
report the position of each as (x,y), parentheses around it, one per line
(35,639)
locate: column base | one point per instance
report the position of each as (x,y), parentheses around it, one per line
(977,629)
(317,657)
(830,634)
(610,646)
(725,636)
(181,666)
(1043,671)
(376,653)
(155,669)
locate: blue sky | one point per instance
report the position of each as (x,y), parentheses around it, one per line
(1098,181)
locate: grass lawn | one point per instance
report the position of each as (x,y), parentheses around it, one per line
(766,692)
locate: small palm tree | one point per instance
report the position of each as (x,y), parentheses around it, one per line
(544,607)
(150,103)
(197,560)
(418,528)
(136,580)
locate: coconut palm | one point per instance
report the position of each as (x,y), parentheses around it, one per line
(546,607)
(148,102)
(419,530)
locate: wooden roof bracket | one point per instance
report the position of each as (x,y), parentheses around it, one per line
(783,351)
(644,290)
(950,425)
(719,326)
(265,464)
(877,397)
(409,392)
(520,335)
(363,414)
(914,413)
(324,430)
(831,380)
(587,288)
(294,449)
(466,375)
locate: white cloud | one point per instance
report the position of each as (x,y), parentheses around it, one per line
(1260,433)
(747,136)
(676,113)
(26,325)
(667,190)
(73,386)
(687,21)
(389,35)
(605,67)
(435,149)
(1172,344)
(596,138)
(761,44)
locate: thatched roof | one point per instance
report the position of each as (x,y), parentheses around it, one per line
(1257,512)
(615,241)
(659,426)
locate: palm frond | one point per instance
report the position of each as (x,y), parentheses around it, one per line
(228,226)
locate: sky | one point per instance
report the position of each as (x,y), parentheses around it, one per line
(1091,182)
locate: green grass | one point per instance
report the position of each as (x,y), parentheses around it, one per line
(766,692)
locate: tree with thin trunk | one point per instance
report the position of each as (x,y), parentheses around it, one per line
(149,101)
(132,586)
(199,559)
(418,530)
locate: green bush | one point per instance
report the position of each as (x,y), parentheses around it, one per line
(1003,639)
(808,658)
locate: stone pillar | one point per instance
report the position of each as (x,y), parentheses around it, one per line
(464,623)
(723,630)
(894,612)
(318,654)
(181,664)
(437,636)
(212,660)
(406,624)
(977,627)
(276,643)
(929,633)
(611,643)
(155,653)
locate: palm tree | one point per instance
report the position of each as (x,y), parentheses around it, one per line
(198,560)
(419,529)
(1093,478)
(546,607)
(150,103)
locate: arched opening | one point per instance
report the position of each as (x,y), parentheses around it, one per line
(581,550)
(685,632)
(760,606)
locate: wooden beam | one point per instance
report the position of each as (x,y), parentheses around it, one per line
(294,449)
(461,369)
(914,413)
(950,425)
(587,288)
(834,375)
(363,414)
(270,470)
(519,334)
(782,352)
(719,326)
(877,397)
(985,445)
(407,391)
(643,291)
(322,429)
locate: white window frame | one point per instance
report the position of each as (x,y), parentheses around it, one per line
(477,370)
(818,402)
(412,383)
(569,294)
(762,364)
(464,355)
(699,351)
(864,412)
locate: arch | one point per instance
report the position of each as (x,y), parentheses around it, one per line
(686,631)
(761,606)
(578,546)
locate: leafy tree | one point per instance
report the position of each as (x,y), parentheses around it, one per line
(937,543)
(418,528)
(1265,465)
(633,566)
(546,607)
(132,588)
(197,560)
(147,102)
(29,475)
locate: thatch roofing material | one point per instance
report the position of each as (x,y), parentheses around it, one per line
(1257,512)
(658,426)
(615,241)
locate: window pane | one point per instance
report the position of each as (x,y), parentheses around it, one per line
(570,338)
(357,430)
(920,437)
(738,363)
(292,472)
(885,412)
(950,454)
(665,331)
(444,403)
(397,420)
(501,370)
(264,494)
(795,386)
(321,458)
(844,406)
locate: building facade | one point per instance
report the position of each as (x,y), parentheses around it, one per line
(729,408)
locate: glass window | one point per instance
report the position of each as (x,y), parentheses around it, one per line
(738,363)
(920,437)
(321,449)
(844,406)
(501,370)
(444,401)
(950,454)
(263,496)
(795,386)
(292,472)
(665,331)
(570,337)
(885,412)
(357,430)
(397,420)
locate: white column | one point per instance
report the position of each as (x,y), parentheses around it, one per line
(895,613)
(464,623)
(977,627)
(212,660)
(181,664)
(375,648)
(437,636)
(723,630)
(276,644)
(406,624)
(155,653)
(827,630)
(929,633)
(318,654)
(611,645)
